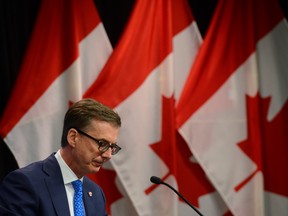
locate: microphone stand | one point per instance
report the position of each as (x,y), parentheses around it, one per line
(157,180)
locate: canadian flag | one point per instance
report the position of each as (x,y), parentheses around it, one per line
(67,50)
(233,112)
(143,80)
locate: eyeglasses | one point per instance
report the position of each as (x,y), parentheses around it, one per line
(104,145)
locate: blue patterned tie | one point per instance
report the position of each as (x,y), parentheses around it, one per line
(78,202)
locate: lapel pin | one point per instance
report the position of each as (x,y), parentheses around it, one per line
(90,194)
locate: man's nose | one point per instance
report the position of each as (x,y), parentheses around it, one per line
(107,154)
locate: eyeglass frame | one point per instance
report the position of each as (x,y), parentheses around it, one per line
(100,143)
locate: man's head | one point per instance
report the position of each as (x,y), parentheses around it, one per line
(80,114)
(89,137)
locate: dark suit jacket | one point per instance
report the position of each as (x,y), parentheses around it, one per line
(38,189)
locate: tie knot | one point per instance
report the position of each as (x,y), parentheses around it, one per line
(77,185)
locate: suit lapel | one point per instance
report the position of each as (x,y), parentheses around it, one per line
(89,198)
(55,186)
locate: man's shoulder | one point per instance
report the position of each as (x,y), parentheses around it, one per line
(33,169)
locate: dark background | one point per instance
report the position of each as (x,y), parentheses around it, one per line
(17,19)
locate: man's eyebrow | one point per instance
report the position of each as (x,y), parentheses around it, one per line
(103,139)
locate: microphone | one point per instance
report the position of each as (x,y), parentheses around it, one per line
(157,180)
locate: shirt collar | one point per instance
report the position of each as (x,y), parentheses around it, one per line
(68,175)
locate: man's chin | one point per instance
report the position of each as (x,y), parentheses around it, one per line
(95,169)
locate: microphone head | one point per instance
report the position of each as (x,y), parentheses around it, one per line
(155,180)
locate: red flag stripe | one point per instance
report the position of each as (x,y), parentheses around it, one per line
(181,16)
(61,52)
(144,22)
(127,68)
(200,86)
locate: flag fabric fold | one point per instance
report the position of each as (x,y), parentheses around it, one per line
(67,50)
(233,109)
(143,80)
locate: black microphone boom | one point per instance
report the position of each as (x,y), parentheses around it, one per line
(157,180)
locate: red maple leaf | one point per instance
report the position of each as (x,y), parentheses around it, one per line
(106,179)
(173,150)
(267,144)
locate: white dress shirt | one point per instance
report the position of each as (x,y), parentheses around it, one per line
(68,177)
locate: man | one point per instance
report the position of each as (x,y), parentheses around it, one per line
(47,187)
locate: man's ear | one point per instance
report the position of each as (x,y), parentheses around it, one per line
(72,137)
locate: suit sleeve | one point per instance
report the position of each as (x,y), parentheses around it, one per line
(17,195)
